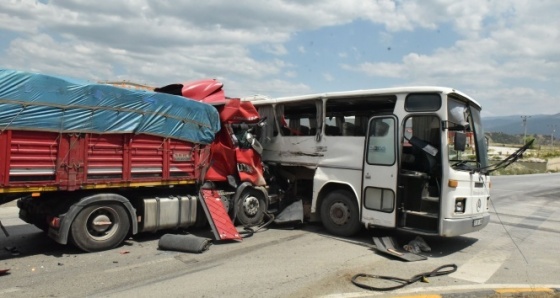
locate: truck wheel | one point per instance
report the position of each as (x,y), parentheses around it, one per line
(251,207)
(100,227)
(340,214)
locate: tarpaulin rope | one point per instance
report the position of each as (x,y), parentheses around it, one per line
(401,281)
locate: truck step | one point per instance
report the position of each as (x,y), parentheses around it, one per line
(222,226)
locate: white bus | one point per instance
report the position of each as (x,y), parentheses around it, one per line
(408,158)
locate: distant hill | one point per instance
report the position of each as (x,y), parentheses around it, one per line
(513,125)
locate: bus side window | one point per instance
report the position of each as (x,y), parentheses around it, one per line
(381,143)
(295,119)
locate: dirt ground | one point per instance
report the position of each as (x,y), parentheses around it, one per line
(554,164)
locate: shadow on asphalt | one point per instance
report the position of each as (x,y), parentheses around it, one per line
(440,246)
(26,240)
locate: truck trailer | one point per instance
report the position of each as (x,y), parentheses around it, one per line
(92,164)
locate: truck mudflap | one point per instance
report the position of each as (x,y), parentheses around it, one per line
(220,222)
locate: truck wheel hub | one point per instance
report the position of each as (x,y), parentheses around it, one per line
(101,223)
(251,205)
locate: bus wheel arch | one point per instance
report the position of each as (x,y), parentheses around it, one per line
(338,210)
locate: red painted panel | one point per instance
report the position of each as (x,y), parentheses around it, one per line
(68,161)
(105,157)
(146,156)
(181,159)
(32,155)
(219,220)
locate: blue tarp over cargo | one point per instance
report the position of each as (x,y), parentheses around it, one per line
(30,101)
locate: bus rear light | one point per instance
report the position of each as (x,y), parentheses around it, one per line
(487,202)
(460,205)
(453,183)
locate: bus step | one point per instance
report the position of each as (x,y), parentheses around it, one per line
(430,199)
(419,231)
(421,213)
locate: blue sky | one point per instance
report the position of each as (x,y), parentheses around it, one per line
(505,54)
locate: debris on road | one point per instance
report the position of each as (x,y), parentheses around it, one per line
(13,250)
(387,245)
(417,245)
(4,229)
(400,282)
(184,243)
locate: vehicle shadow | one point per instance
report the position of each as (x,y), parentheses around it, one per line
(440,246)
(26,240)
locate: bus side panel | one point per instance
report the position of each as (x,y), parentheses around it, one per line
(326,177)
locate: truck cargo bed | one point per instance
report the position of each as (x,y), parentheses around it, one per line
(32,161)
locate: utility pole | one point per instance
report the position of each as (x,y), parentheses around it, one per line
(553,126)
(524,119)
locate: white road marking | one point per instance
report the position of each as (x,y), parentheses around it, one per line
(486,262)
(9,290)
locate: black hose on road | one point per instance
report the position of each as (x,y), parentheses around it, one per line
(402,282)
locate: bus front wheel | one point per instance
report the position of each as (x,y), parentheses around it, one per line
(340,214)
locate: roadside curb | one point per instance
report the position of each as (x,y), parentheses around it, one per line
(505,292)
(494,291)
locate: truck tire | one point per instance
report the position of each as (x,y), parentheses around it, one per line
(251,207)
(100,227)
(340,214)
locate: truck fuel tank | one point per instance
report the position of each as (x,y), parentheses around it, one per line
(169,213)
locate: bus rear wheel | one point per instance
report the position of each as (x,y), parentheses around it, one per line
(100,227)
(340,214)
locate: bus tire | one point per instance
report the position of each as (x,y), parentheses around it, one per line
(251,207)
(340,213)
(100,227)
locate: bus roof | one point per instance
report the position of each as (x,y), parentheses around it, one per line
(357,93)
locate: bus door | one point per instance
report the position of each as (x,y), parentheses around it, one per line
(379,180)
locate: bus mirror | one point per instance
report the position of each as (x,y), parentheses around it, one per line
(460,141)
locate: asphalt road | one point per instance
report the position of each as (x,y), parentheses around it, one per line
(518,249)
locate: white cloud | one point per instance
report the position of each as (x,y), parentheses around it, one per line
(328,77)
(275,49)
(500,57)
(502,43)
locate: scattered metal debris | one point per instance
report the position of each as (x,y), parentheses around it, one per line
(184,243)
(417,245)
(388,246)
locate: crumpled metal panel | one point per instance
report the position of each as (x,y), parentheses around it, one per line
(222,226)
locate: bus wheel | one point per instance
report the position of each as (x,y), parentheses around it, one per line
(339,213)
(251,207)
(100,227)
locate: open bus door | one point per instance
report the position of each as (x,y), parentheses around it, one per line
(379,180)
